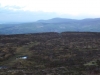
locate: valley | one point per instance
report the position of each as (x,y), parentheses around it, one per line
(52,25)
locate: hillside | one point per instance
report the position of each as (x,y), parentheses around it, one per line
(67,53)
(52,25)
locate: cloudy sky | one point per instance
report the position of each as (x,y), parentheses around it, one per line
(32,10)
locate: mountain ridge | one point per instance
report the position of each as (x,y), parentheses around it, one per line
(52,25)
(56,20)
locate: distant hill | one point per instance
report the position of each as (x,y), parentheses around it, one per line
(52,25)
(57,20)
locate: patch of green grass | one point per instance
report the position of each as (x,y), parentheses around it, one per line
(91,63)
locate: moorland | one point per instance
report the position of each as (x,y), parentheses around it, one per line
(51,53)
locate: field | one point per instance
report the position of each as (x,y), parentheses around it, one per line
(66,53)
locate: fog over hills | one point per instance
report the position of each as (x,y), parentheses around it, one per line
(52,25)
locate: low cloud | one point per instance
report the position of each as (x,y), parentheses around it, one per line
(32,10)
(70,7)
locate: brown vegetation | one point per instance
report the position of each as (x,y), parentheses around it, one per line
(67,53)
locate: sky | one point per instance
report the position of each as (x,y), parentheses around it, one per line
(32,10)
